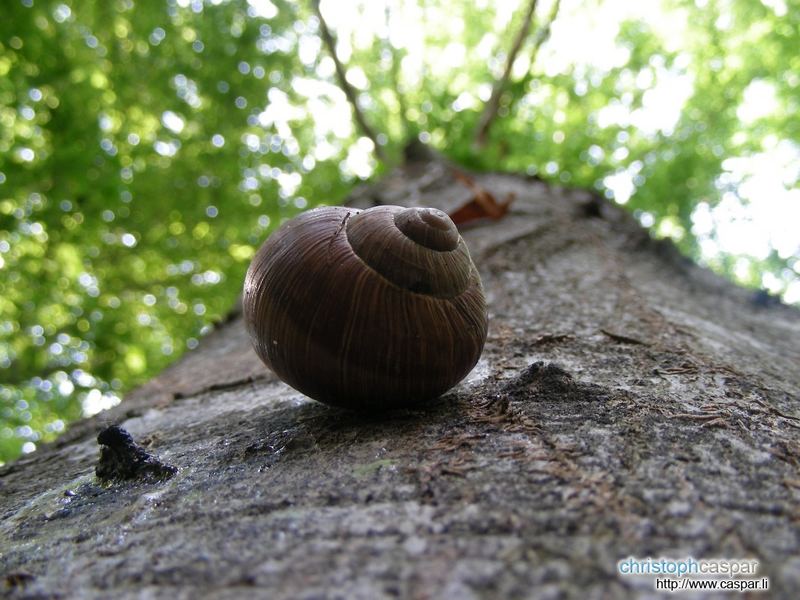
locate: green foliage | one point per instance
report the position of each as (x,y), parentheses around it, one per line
(147,148)
(138,175)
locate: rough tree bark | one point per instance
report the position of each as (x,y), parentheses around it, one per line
(627,403)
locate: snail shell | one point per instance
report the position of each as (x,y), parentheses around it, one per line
(366,309)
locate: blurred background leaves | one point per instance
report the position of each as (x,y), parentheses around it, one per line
(148,147)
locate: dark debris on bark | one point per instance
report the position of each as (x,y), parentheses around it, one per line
(122,459)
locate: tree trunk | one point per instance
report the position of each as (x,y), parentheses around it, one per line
(628,403)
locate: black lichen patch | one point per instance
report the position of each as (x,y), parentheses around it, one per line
(540,384)
(763,299)
(591,207)
(18,579)
(546,384)
(542,379)
(123,459)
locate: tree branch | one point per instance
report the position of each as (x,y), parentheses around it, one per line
(395,73)
(349,92)
(542,35)
(493,104)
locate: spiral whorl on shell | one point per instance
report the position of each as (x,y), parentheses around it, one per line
(366,309)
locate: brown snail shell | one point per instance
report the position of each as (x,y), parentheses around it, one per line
(366,309)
